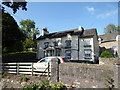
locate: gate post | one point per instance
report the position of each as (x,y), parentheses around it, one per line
(32,68)
(48,71)
(117,76)
(54,70)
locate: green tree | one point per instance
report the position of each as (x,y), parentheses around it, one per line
(14,5)
(111,28)
(29,29)
(11,35)
(27,26)
(28,43)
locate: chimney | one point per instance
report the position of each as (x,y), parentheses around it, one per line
(81,29)
(44,31)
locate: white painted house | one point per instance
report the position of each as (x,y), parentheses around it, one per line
(76,44)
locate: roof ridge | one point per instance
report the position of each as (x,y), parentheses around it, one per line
(72,30)
(108,34)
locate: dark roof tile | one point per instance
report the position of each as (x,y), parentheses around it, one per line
(86,33)
(108,37)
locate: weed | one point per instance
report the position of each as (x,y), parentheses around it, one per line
(25,79)
(44,85)
(109,82)
(3,75)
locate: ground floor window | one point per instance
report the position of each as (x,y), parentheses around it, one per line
(48,53)
(87,53)
(68,54)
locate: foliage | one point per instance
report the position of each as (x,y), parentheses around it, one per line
(25,79)
(30,32)
(44,85)
(11,35)
(28,28)
(27,25)
(11,53)
(14,5)
(106,54)
(111,28)
(3,75)
(28,43)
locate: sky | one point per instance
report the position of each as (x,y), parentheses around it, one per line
(61,16)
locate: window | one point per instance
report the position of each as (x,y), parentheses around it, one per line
(68,54)
(55,43)
(45,60)
(87,43)
(88,54)
(46,44)
(68,43)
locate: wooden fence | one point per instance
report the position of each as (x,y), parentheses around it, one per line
(25,68)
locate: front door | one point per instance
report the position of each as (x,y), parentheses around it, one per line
(51,53)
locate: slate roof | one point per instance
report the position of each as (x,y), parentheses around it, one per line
(108,37)
(86,33)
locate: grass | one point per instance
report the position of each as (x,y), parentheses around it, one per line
(11,53)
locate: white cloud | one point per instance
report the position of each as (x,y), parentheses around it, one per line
(107,14)
(90,9)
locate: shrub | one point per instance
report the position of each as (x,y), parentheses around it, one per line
(3,75)
(106,54)
(25,79)
(44,85)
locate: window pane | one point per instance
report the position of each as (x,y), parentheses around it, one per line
(68,43)
(87,53)
(46,44)
(87,42)
(68,54)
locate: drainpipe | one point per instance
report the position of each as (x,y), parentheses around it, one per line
(78,48)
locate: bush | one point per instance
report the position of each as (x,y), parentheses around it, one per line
(106,54)
(3,75)
(44,85)
(25,79)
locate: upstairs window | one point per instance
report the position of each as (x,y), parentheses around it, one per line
(46,44)
(87,43)
(68,54)
(68,43)
(55,43)
(88,54)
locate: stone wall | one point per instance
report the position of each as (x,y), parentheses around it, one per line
(109,61)
(85,75)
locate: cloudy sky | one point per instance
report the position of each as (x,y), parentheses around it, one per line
(60,16)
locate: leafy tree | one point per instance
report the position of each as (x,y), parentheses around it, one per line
(27,25)
(111,28)
(28,43)
(11,34)
(14,5)
(28,28)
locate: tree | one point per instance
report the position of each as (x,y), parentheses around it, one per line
(14,5)
(28,43)
(111,28)
(29,29)
(27,25)
(11,34)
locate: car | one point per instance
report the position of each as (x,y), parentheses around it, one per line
(42,64)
